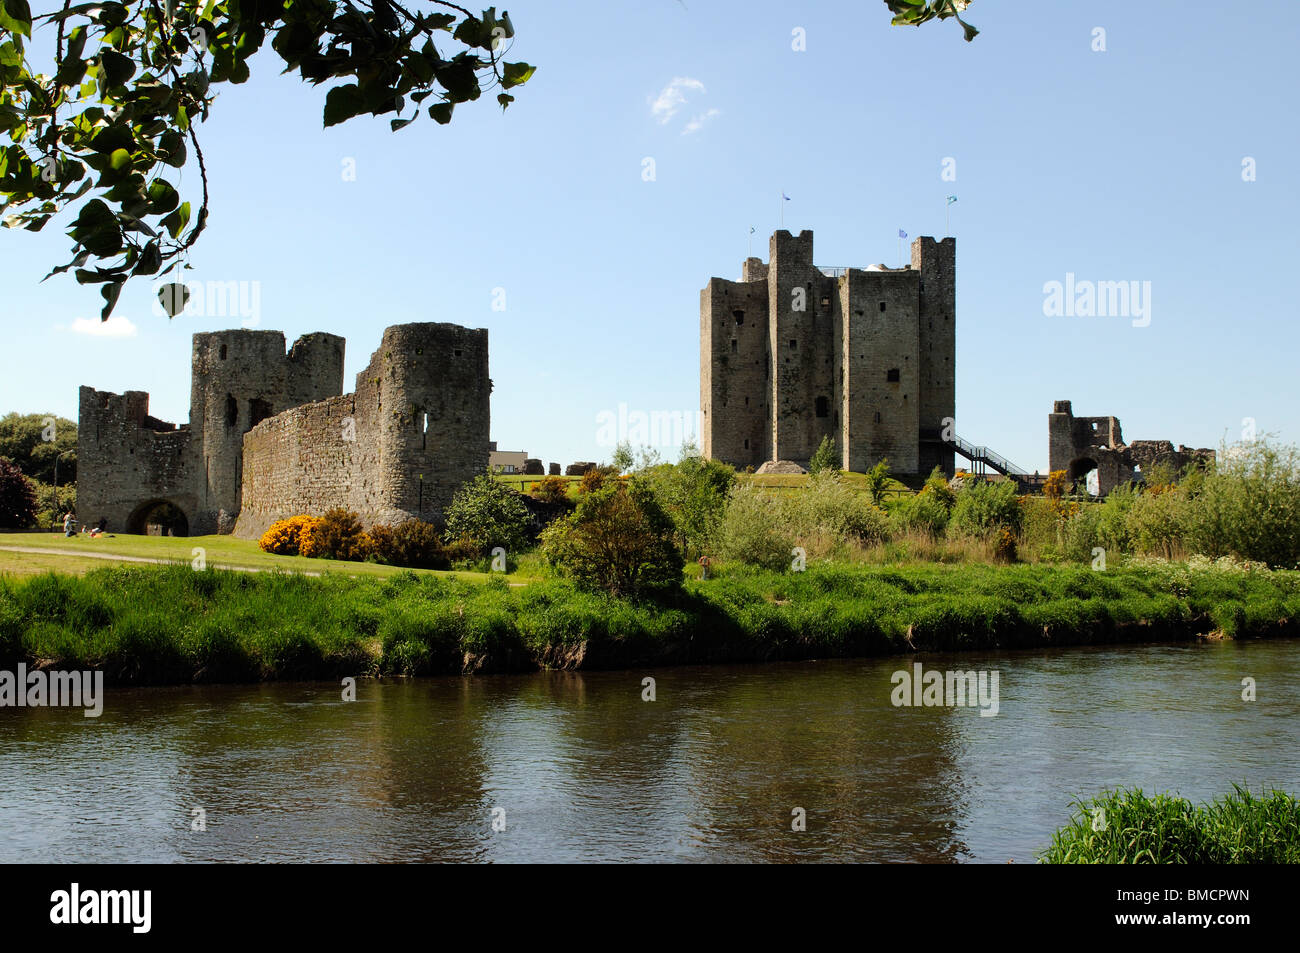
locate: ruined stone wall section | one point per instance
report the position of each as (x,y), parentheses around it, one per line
(398,448)
(307,460)
(241,377)
(435,418)
(124,461)
(1076,443)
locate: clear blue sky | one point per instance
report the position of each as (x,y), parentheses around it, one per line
(1123,165)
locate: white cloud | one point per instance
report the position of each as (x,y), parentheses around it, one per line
(115,327)
(699,121)
(672,96)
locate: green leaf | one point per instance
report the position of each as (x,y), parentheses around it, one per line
(117,69)
(150,260)
(505,99)
(110,293)
(441,113)
(16,17)
(97,228)
(342,103)
(119,159)
(171,148)
(397,124)
(175,222)
(516,74)
(162,197)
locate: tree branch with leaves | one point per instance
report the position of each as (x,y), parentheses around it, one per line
(130,82)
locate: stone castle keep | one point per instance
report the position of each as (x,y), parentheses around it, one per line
(272,434)
(793,353)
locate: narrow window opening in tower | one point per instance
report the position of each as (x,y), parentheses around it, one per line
(424,431)
(882,307)
(891,375)
(258,410)
(823,407)
(877,416)
(739,316)
(793,344)
(223,352)
(858,313)
(734,346)
(746,443)
(232,410)
(826,303)
(746,401)
(455,352)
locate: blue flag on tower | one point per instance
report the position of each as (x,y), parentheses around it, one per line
(902,234)
(751,229)
(784,196)
(951,199)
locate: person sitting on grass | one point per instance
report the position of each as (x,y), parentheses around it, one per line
(98,529)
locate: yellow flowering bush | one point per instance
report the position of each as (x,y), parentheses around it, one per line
(284,537)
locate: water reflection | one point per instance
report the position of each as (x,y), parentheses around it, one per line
(584,769)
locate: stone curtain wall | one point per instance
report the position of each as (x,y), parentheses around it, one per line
(398,448)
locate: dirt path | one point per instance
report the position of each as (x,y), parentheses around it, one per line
(44,551)
(41,551)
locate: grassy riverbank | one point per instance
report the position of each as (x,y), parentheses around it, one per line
(171,624)
(1128,827)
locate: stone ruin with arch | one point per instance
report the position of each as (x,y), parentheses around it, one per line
(1080,445)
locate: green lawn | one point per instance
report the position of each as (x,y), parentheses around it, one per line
(218,551)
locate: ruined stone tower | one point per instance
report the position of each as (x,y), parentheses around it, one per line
(793,353)
(272,435)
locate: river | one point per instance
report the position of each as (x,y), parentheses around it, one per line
(560,766)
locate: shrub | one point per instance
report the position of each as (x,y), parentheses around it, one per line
(284,537)
(595,478)
(618,541)
(1248,505)
(824,458)
(490,514)
(336,535)
(924,512)
(1112,521)
(984,509)
(753,529)
(1081,533)
(877,478)
(1004,548)
(17,498)
(414,544)
(1156,522)
(826,505)
(551,489)
(694,493)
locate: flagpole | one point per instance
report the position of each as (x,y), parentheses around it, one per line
(781,203)
(947,217)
